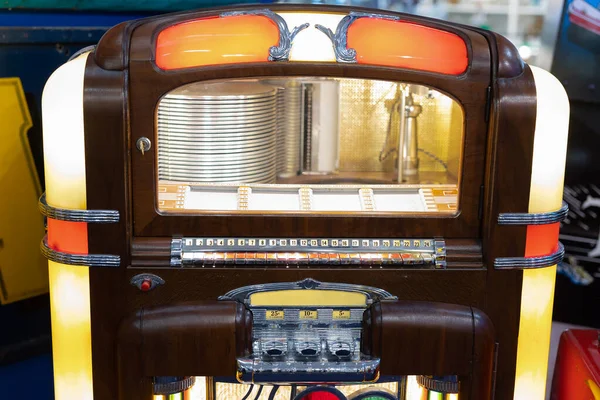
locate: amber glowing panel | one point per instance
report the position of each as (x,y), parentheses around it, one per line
(216,40)
(407,45)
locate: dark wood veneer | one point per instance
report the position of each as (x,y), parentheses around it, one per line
(122,88)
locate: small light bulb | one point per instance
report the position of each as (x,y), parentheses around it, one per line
(525,52)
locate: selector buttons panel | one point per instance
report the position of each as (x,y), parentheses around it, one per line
(307,252)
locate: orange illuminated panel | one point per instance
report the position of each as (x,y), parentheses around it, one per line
(68,237)
(216,40)
(407,45)
(541,240)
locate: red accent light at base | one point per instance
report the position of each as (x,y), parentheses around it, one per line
(146,285)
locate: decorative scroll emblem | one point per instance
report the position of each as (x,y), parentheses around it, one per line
(340,37)
(281,52)
(242,294)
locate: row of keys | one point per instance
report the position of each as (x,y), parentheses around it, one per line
(247,258)
(229,242)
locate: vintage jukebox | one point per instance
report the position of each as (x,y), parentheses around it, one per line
(302,202)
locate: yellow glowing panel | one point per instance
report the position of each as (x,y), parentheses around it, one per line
(311,44)
(71,331)
(64,161)
(317,298)
(549,155)
(23,269)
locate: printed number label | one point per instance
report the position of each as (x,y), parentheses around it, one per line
(308,314)
(341,314)
(275,314)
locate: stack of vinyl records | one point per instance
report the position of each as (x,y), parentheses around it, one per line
(289,126)
(218,133)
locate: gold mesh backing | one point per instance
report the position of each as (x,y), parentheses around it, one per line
(365,116)
(364,119)
(456,136)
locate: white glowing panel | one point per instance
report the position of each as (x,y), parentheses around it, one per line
(271,201)
(409,201)
(413,390)
(550,143)
(311,44)
(211,199)
(64,147)
(336,201)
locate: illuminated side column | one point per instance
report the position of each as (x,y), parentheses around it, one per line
(64,162)
(547,180)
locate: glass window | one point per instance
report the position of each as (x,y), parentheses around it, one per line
(308,145)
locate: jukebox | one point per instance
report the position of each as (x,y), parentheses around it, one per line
(302,202)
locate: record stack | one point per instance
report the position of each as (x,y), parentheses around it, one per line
(218,133)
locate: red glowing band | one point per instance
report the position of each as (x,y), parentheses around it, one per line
(68,237)
(541,240)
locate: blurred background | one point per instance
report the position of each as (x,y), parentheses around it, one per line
(36,36)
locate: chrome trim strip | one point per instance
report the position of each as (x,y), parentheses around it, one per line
(340,37)
(530,262)
(86,260)
(439,254)
(176,252)
(63,214)
(534,218)
(281,52)
(242,294)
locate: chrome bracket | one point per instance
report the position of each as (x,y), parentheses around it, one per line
(339,39)
(281,52)
(531,262)
(86,260)
(90,216)
(534,218)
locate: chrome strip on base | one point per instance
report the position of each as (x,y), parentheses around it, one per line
(534,218)
(530,262)
(243,294)
(91,216)
(87,260)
